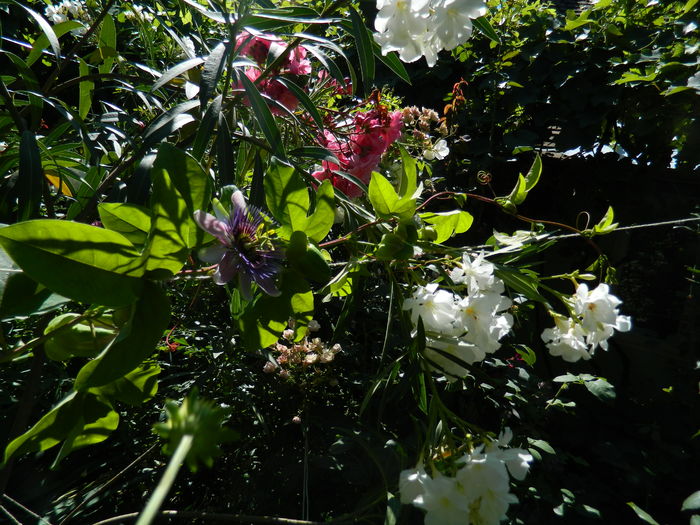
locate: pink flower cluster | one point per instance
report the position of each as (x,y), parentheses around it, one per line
(359,154)
(259,48)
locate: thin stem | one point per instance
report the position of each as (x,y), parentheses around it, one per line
(150,511)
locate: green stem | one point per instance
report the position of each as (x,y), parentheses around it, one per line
(151,509)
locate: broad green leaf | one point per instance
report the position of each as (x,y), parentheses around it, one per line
(180,187)
(363,43)
(139,385)
(641,514)
(81,262)
(264,117)
(409,174)
(606,224)
(131,220)
(85,339)
(447,224)
(134,343)
(307,259)
(484,27)
(692,502)
(98,421)
(20,296)
(92,179)
(264,320)
(321,220)
(392,246)
(81,418)
(31,177)
(525,184)
(287,197)
(382,195)
(600,388)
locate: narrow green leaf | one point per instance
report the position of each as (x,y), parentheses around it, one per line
(139,385)
(315,152)
(392,61)
(206,127)
(363,43)
(42,42)
(409,173)
(78,261)
(169,122)
(107,43)
(641,514)
(212,70)
(692,502)
(85,88)
(46,28)
(31,177)
(303,98)
(264,117)
(135,342)
(176,71)
(224,152)
(533,175)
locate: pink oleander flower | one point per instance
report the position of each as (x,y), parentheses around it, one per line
(374,131)
(240,253)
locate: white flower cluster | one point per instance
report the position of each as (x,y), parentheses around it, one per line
(68,10)
(416,28)
(596,320)
(136,13)
(478,493)
(466,327)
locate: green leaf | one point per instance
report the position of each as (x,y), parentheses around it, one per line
(448,223)
(302,97)
(85,339)
(134,388)
(176,71)
(363,43)
(107,43)
(180,187)
(393,509)
(264,320)
(31,177)
(692,502)
(392,61)
(521,281)
(606,224)
(641,514)
(541,444)
(321,220)
(168,123)
(211,72)
(601,389)
(525,184)
(85,88)
(287,198)
(134,343)
(131,220)
(209,120)
(392,246)
(81,262)
(20,296)
(80,418)
(42,42)
(307,259)
(47,29)
(382,195)
(409,174)
(264,117)
(485,28)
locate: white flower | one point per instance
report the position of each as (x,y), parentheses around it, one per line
(599,314)
(451,20)
(486,486)
(443,501)
(411,484)
(567,339)
(480,315)
(401,26)
(596,319)
(477,275)
(137,13)
(436,307)
(438,151)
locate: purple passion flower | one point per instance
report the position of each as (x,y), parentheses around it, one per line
(240,251)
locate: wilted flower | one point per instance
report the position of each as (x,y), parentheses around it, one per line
(240,252)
